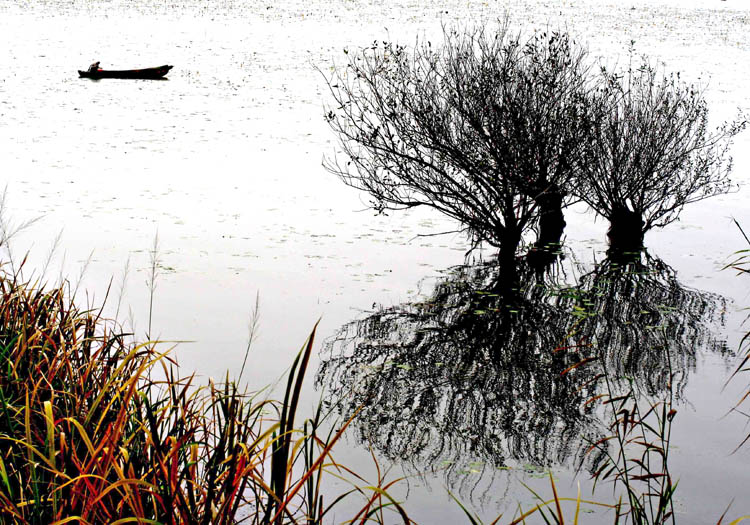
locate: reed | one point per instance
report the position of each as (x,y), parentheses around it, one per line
(96,428)
(638,462)
(741,263)
(634,457)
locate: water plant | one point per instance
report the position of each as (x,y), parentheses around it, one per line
(96,428)
(639,460)
(741,263)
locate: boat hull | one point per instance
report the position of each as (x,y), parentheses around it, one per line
(152,73)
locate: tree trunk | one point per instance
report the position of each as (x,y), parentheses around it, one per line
(508,281)
(626,231)
(551,228)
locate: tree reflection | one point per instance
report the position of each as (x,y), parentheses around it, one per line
(642,320)
(473,374)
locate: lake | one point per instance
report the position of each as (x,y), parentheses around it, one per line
(224,162)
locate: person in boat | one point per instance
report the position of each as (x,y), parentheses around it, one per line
(94,67)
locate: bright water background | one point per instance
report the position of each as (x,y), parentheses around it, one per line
(224,161)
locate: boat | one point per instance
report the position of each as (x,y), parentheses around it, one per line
(151,73)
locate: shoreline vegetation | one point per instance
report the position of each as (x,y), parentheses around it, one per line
(98,428)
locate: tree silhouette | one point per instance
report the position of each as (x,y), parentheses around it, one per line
(652,152)
(485,128)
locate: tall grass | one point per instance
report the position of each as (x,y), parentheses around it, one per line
(634,457)
(640,430)
(87,436)
(741,263)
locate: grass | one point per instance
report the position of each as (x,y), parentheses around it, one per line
(96,428)
(635,455)
(741,263)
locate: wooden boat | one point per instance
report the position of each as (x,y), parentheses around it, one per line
(151,73)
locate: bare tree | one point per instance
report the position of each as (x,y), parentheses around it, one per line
(484,129)
(652,152)
(545,127)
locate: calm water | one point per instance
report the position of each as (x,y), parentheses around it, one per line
(224,161)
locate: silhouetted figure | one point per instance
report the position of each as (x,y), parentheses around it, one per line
(94,67)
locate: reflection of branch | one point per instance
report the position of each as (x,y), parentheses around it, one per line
(639,460)
(467,375)
(637,312)
(473,373)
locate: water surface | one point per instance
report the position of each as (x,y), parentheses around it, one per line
(224,161)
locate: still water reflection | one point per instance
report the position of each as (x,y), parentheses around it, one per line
(224,161)
(481,376)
